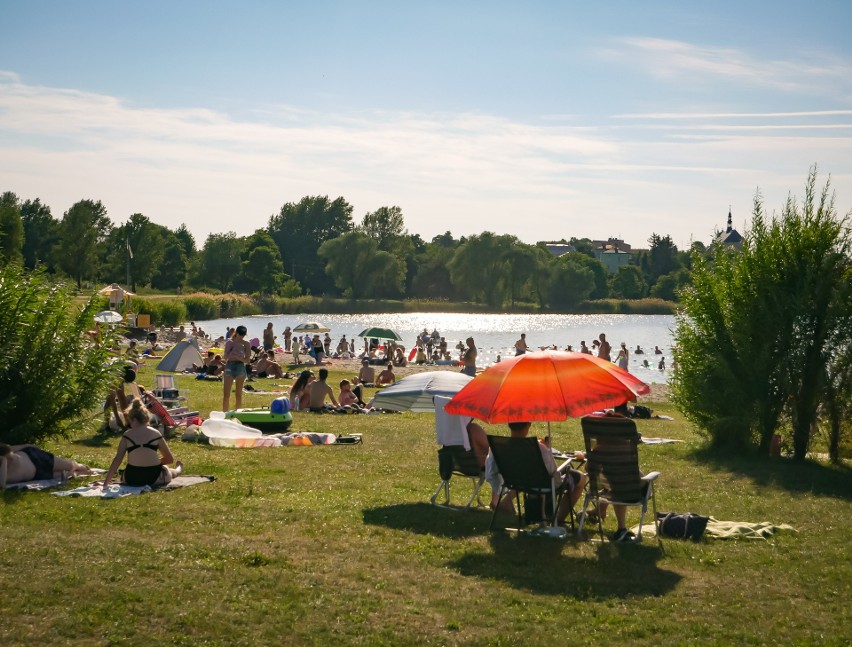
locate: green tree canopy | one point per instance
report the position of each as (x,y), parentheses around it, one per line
(360,269)
(220,261)
(11,228)
(300,228)
(384,225)
(41,234)
(262,268)
(760,329)
(82,233)
(628,283)
(480,268)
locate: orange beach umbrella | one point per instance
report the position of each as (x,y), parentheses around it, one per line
(545,386)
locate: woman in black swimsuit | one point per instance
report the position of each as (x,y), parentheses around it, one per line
(148,455)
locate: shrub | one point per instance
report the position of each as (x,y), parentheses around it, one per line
(51,370)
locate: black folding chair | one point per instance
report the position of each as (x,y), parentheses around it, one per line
(455,459)
(612,463)
(523,470)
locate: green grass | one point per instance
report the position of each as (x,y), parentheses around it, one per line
(338,545)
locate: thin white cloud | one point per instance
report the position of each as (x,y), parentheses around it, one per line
(459,172)
(677,60)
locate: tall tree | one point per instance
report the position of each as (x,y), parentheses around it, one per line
(262,269)
(628,283)
(82,233)
(11,228)
(145,254)
(220,260)
(41,234)
(480,269)
(384,225)
(760,328)
(171,272)
(300,228)
(360,269)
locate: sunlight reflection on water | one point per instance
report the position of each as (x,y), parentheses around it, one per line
(494,334)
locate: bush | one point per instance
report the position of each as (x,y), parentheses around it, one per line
(52,372)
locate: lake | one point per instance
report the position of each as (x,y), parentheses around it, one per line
(494,334)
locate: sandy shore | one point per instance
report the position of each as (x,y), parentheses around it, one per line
(659,392)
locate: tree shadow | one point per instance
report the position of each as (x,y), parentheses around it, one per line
(101,438)
(427,519)
(542,566)
(792,476)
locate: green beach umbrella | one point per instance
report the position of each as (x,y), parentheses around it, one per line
(380,333)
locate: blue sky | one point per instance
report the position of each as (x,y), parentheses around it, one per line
(539,119)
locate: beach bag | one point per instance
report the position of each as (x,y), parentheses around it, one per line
(641,412)
(682,526)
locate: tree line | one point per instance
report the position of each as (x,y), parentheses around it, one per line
(315,247)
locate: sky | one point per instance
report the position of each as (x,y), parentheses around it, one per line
(543,120)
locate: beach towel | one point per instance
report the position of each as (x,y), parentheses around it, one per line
(733,529)
(658,441)
(450,429)
(46,484)
(116,491)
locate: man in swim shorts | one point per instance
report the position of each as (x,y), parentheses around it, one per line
(19,463)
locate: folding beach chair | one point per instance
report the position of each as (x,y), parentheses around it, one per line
(455,455)
(612,463)
(455,459)
(524,472)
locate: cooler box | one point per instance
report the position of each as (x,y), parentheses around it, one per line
(263,419)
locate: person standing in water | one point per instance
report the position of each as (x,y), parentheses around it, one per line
(604,350)
(469,358)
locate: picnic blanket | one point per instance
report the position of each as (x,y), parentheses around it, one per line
(658,441)
(733,529)
(46,484)
(116,491)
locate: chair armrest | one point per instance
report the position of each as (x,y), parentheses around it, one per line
(650,477)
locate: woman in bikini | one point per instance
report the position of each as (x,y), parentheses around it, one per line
(148,454)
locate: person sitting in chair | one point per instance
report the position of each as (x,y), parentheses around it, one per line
(574,479)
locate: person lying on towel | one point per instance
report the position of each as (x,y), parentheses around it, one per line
(148,454)
(21,463)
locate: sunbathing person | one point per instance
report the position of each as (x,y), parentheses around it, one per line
(318,391)
(298,392)
(266,366)
(367,374)
(21,463)
(148,454)
(386,377)
(212,364)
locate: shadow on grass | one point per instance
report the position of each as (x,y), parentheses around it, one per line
(426,519)
(549,567)
(101,438)
(13,495)
(793,476)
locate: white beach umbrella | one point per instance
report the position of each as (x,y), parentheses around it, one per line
(415,392)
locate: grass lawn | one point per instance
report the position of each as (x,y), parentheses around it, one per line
(339,545)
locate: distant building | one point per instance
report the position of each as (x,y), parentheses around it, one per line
(730,237)
(613,253)
(611,243)
(558,249)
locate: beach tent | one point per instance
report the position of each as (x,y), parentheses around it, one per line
(181,357)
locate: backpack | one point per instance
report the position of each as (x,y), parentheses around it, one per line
(682,526)
(641,412)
